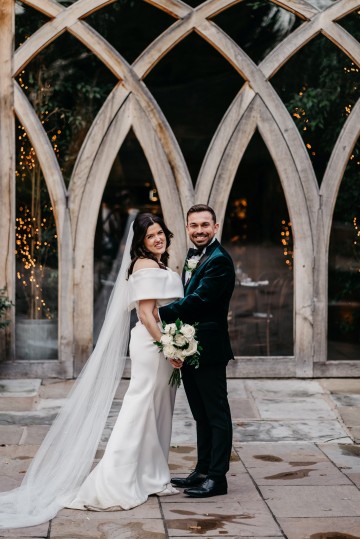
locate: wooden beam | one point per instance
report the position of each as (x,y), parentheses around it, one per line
(7,167)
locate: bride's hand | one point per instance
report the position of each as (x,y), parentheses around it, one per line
(176,363)
(156,314)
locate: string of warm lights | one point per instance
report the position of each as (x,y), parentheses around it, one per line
(35,235)
(286,240)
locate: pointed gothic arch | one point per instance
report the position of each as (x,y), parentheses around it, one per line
(130,103)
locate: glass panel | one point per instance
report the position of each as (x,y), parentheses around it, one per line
(194,85)
(130,188)
(36,258)
(344,267)
(66,85)
(319,96)
(257,26)
(27,21)
(126,26)
(351,23)
(257,234)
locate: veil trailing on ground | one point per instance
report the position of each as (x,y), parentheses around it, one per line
(65,457)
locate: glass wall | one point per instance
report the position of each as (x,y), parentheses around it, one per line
(36,258)
(344,267)
(257,234)
(130,189)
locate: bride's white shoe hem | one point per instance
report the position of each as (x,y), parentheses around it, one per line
(169,490)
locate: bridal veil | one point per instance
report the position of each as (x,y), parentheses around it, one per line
(65,457)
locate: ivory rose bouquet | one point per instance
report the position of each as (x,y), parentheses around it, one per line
(179,341)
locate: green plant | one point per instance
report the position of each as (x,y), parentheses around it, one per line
(5,304)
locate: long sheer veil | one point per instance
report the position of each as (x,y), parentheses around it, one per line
(65,456)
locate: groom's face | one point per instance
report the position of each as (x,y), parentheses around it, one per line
(201,228)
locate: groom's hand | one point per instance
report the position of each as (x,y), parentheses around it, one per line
(176,363)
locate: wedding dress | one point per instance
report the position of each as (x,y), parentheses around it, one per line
(134,464)
(135,461)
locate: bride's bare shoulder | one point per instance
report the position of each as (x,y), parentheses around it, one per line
(144,263)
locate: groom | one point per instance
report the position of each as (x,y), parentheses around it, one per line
(209,280)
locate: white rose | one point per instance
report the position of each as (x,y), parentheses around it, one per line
(166,339)
(188,331)
(192,263)
(180,340)
(170,328)
(169,351)
(192,348)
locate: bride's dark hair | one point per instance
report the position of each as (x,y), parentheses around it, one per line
(138,250)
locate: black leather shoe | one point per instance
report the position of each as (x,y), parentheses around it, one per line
(192,480)
(208,488)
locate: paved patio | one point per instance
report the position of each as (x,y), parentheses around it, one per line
(295,467)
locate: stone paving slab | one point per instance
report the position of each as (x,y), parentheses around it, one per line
(40,417)
(355,434)
(260,454)
(350,415)
(34,434)
(243,408)
(341,385)
(16,404)
(344,456)
(24,387)
(315,501)
(219,518)
(34,532)
(296,430)
(283,474)
(237,388)
(54,388)
(285,408)
(321,528)
(341,399)
(10,434)
(108,528)
(284,388)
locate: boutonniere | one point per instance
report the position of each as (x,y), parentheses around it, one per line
(191,264)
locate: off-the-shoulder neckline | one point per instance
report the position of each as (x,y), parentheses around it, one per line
(147,269)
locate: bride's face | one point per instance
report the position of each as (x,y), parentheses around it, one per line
(155,240)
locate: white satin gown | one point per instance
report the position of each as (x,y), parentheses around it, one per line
(135,462)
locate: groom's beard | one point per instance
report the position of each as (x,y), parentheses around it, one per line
(201,245)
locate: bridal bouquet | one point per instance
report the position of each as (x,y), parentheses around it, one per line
(179,341)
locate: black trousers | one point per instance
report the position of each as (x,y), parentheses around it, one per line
(206,391)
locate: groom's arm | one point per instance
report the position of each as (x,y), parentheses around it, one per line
(211,287)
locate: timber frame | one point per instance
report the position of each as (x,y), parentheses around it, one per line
(131,105)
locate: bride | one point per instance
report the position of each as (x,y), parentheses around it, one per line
(134,464)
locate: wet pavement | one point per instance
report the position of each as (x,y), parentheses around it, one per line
(295,465)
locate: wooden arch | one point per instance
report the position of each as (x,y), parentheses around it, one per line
(130,104)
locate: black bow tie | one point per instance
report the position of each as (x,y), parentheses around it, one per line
(194,252)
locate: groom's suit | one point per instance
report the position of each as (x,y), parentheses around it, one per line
(206,301)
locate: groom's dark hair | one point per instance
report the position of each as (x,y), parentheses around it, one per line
(201,207)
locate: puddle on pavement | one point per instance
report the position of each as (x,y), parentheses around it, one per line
(268,458)
(350,449)
(333,535)
(300,463)
(298,474)
(215,521)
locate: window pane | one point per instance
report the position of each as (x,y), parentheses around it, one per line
(36,259)
(344,267)
(257,233)
(130,189)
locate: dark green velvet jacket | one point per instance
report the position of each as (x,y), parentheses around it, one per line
(206,301)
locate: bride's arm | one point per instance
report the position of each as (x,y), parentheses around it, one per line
(146,307)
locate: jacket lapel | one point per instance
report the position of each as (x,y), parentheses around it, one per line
(206,256)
